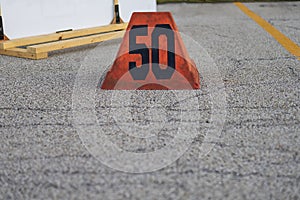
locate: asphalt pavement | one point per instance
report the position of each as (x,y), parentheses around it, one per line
(255,156)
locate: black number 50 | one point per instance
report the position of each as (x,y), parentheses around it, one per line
(140,73)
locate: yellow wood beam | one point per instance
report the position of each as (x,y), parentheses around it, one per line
(40,48)
(23,53)
(61,36)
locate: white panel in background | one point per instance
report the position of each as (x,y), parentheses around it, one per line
(23,18)
(127,7)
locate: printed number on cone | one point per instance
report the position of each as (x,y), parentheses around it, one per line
(152,56)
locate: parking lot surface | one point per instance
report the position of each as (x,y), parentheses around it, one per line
(256,156)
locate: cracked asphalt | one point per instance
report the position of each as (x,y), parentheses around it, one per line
(255,157)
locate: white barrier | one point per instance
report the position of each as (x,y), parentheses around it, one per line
(23,18)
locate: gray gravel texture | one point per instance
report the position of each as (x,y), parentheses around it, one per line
(256,157)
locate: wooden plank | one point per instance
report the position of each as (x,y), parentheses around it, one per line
(40,48)
(61,36)
(23,53)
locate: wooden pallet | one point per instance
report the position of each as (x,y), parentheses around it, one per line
(37,47)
